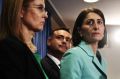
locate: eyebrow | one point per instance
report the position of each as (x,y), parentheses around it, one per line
(93,19)
(100,19)
(41,5)
(63,36)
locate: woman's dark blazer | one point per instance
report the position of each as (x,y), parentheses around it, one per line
(17,61)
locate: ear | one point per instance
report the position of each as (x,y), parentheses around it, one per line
(49,41)
(22,13)
(79,31)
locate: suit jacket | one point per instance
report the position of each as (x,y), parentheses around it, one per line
(17,61)
(51,69)
(81,63)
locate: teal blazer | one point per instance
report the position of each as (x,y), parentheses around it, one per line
(81,63)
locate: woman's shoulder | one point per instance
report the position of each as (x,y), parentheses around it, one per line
(75,51)
(11,43)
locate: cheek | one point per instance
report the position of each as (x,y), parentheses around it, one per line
(69,46)
(54,42)
(35,16)
(86,32)
(102,31)
(30,17)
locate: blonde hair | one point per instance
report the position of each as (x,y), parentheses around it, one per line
(10,20)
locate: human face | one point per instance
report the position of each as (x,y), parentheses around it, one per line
(60,41)
(34,16)
(93,28)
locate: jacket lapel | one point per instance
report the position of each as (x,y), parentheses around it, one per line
(98,66)
(87,48)
(52,63)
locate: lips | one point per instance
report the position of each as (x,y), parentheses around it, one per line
(63,47)
(42,22)
(96,33)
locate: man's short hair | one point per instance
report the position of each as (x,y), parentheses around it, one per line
(61,28)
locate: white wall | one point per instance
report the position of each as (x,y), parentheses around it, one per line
(112,54)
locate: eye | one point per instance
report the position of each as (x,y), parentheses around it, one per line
(68,39)
(41,8)
(99,22)
(60,37)
(90,22)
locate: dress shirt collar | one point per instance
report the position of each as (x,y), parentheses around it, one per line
(57,62)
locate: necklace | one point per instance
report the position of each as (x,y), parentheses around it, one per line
(32,47)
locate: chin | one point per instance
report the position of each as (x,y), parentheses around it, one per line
(97,38)
(62,51)
(37,30)
(40,28)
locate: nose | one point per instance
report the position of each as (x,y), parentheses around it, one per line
(64,40)
(96,26)
(45,14)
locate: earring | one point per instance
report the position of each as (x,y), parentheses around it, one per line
(81,35)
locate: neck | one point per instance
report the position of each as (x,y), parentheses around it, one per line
(56,54)
(94,47)
(27,38)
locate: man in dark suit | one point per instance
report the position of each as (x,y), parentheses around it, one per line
(58,42)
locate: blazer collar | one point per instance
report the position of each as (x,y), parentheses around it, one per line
(88,50)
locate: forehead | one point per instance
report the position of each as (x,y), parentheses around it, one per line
(37,2)
(62,32)
(93,15)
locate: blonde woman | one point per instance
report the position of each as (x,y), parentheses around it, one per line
(20,19)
